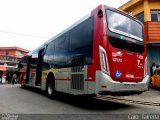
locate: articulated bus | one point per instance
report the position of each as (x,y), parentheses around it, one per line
(103,53)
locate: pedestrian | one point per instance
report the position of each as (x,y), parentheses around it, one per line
(152,69)
(0,77)
(9,78)
(14,77)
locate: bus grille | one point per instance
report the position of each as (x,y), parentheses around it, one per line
(77,73)
(77,81)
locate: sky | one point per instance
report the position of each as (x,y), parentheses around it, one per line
(30,23)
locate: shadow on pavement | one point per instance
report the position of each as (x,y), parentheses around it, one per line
(92,103)
(84,102)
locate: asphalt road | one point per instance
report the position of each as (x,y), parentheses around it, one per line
(33,104)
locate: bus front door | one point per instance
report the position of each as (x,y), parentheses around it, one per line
(39,67)
(28,69)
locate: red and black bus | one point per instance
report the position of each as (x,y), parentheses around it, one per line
(103,53)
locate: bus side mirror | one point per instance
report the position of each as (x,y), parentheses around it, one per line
(100,13)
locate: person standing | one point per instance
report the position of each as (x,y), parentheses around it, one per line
(152,69)
(0,77)
(9,78)
(14,77)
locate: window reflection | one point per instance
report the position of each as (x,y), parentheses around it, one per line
(140,17)
(124,25)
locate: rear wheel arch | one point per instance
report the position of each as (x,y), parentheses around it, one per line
(50,85)
(48,77)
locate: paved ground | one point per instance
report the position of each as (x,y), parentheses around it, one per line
(15,100)
(152,95)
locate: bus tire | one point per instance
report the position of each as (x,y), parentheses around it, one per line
(50,88)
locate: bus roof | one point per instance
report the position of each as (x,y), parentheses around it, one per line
(75,24)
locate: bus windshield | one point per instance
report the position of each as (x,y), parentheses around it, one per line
(121,24)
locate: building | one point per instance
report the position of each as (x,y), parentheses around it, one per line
(9,58)
(148,12)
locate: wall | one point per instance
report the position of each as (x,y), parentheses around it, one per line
(154,4)
(152,31)
(10,52)
(136,10)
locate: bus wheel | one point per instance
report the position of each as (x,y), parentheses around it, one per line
(50,87)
